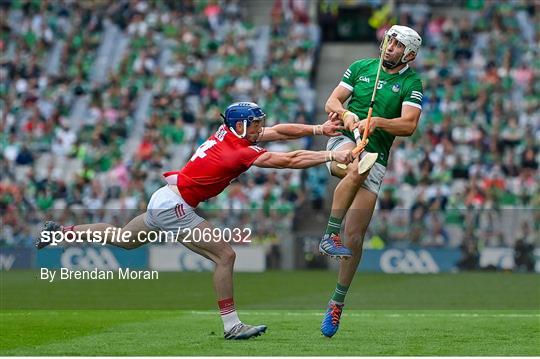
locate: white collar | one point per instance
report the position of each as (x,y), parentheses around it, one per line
(404,69)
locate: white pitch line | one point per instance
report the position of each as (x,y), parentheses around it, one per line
(389,315)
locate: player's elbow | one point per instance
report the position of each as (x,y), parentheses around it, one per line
(410,128)
(327,107)
(331,103)
(410,131)
(413,129)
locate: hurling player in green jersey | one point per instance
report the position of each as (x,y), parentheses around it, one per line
(397,108)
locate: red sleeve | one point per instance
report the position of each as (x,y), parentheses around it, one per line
(250,154)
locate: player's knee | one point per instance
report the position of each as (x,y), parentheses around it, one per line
(355,239)
(130,246)
(337,171)
(130,240)
(353,175)
(227,257)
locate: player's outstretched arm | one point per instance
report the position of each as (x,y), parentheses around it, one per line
(301,158)
(291,131)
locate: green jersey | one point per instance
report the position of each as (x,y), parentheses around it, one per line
(393,91)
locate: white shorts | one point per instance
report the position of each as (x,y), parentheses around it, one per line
(375,177)
(167,211)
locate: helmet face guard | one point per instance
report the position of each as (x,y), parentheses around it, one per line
(245,112)
(408,37)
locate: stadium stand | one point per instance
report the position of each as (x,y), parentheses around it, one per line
(474,158)
(98,99)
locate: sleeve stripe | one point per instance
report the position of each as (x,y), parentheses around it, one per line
(408,103)
(416,98)
(346,85)
(416,93)
(256,148)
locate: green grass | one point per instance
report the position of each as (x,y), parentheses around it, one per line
(462,314)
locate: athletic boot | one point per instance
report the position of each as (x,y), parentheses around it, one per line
(331,245)
(330,323)
(244,331)
(48,226)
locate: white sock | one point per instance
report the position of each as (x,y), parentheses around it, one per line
(228,313)
(230,320)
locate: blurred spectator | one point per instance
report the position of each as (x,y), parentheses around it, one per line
(470,259)
(524,249)
(84,127)
(473,155)
(84,134)
(524,256)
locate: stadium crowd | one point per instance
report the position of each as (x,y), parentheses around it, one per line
(469,177)
(98,99)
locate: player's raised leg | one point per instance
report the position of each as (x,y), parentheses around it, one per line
(344,194)
(358,218)
(223,255)
(133,233)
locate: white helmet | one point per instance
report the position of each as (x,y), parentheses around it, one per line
(407,37)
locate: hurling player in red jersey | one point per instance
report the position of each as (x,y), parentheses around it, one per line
(218,161)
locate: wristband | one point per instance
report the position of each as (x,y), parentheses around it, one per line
(330,156)
(345,113)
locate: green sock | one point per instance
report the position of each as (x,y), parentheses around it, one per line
(334,225)
(339,293)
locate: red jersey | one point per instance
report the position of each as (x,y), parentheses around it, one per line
(214,165)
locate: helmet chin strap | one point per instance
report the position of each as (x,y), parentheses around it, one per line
(243,133)
(392,65)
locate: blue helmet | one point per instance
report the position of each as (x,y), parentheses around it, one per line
(242,111)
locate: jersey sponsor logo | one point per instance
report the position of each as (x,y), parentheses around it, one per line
(381,84)
(396,88)
(417,95)
(347,74)
(363,79)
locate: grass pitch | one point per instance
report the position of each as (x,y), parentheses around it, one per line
(461,314)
